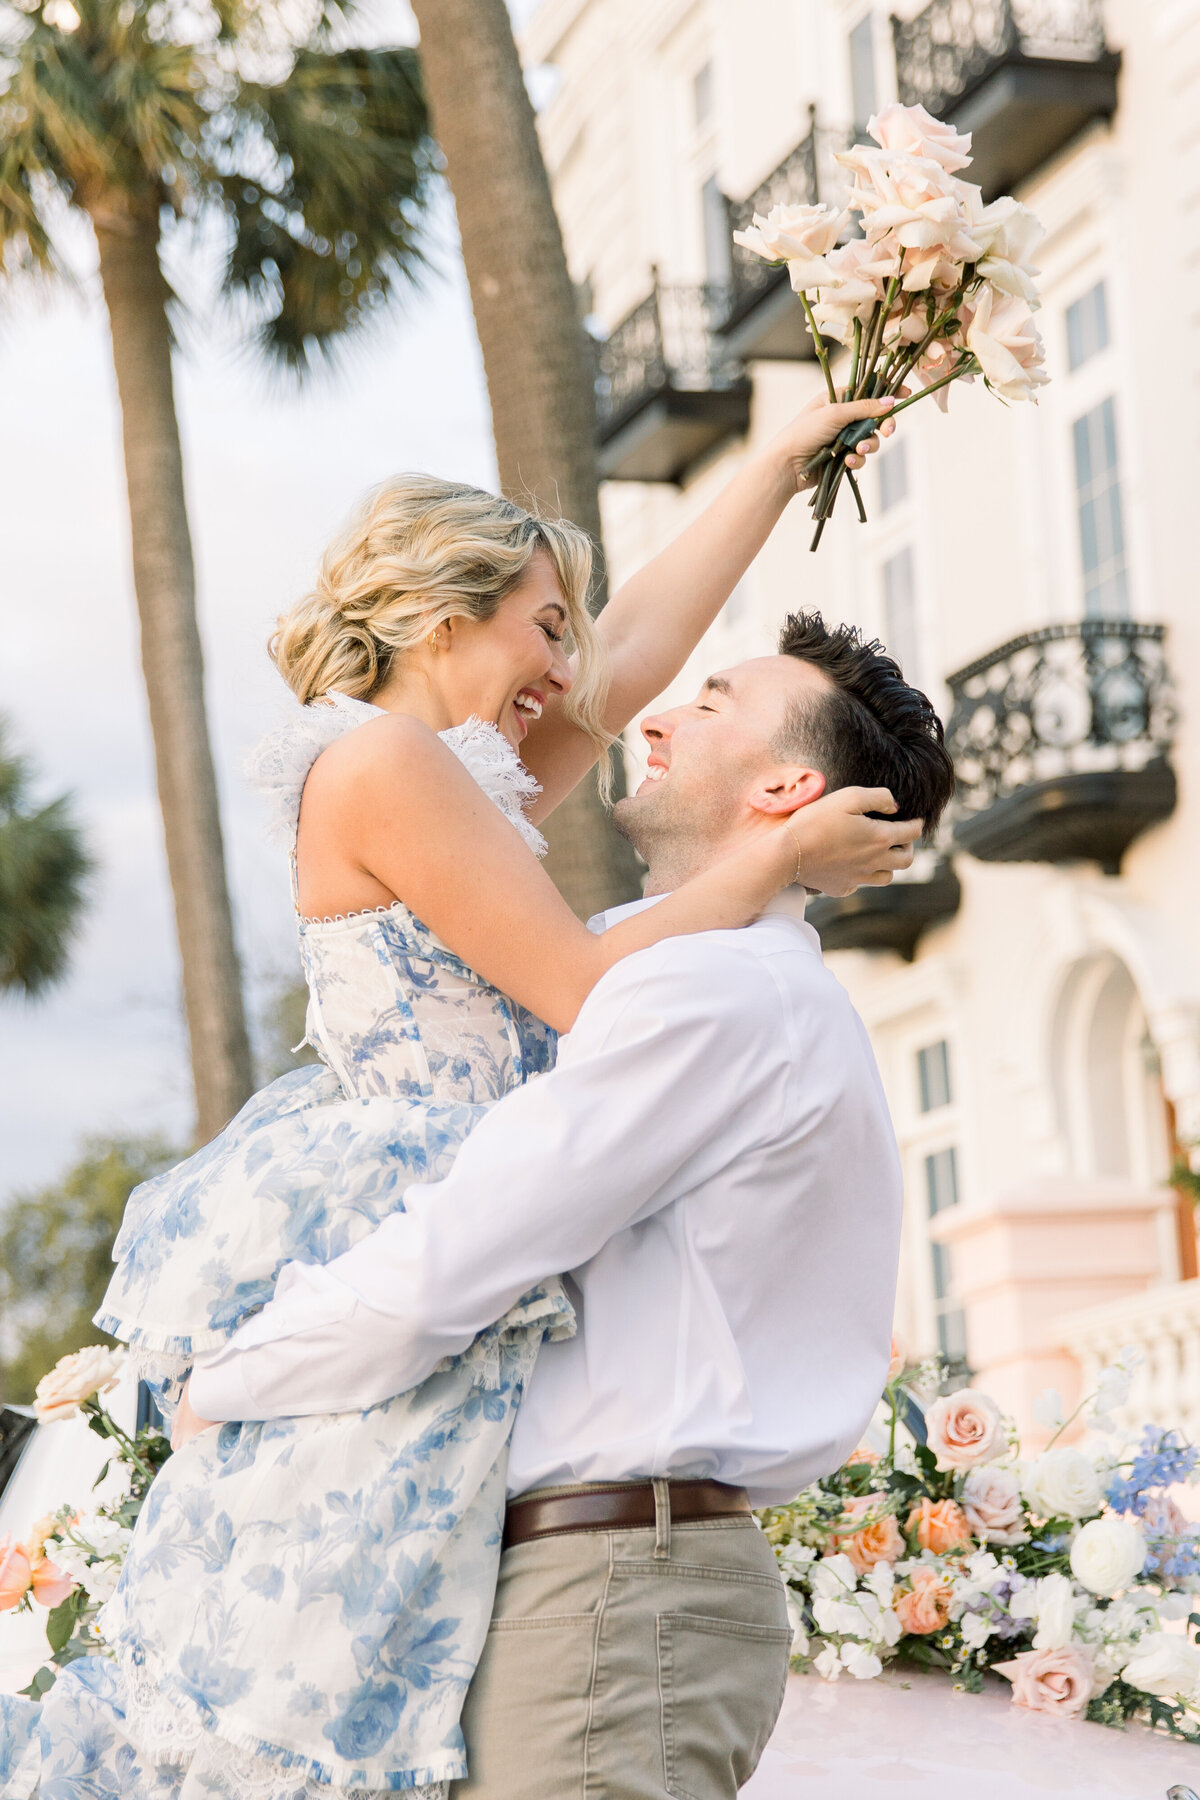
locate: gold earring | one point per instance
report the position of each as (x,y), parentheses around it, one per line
(431,639)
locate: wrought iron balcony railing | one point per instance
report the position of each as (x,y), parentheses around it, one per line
(1060,741)
(890,918)
(666,350)
(807,175)
(1022,75)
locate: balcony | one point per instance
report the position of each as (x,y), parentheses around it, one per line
(889,918)
(764,321)
(1023,76)
(668,391)
(1060,740)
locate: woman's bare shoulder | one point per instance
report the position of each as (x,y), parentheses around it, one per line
(392,767)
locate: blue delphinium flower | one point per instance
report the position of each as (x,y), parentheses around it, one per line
(1163,1460)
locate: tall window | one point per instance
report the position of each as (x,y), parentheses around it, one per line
(941,1191)
(900,610)
(893,476)
(1101,528)
(933,1075)
(1087,326)
(862,70)
(717,252)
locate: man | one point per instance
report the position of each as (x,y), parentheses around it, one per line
(713,1163)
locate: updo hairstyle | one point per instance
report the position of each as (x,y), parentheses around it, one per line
(420,551)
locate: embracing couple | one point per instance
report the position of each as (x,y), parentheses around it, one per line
(503,1344)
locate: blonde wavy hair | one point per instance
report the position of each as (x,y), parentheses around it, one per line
(420,551)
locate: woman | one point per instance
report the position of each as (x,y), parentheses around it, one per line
(304,1601)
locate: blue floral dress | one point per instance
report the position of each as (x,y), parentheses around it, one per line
(305,1600)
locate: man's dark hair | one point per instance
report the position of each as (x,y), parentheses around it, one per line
(873,729)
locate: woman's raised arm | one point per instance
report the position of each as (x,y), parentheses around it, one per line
(655,620)
(389,813)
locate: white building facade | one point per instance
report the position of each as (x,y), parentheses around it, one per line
(1034,993)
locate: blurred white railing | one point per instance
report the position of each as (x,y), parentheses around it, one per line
(1164,1324)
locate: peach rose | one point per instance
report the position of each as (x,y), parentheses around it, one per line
(1053,1681)
(74,1379)
(940,1525)
(800,236)
(917,133)
(925,1605)
(1007,346)
(16,1574)
(964,1429)
(878,1541)
(49,1584)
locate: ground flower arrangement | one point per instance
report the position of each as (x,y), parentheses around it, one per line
(70,1562)
(1073,1575)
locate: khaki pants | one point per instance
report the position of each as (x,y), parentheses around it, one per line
(629,1665)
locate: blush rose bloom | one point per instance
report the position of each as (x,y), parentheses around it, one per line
(16,1574)
(877,1542)
(925,1606)
(991,1502)
(861,273)
(1007,345)
(1008,234)
(1107,1554)
(800,236)
(1053,1681)
(910,201)
(917,133)
(74,1379)
(940,1525)
(964,1429)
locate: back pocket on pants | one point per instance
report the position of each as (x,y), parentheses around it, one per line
(721,1685)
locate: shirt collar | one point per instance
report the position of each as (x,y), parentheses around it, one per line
(789,904)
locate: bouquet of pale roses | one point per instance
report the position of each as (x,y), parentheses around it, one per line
(71,1562)
(1074,1575)
(938,288)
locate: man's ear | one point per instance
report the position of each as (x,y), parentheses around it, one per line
(786,790)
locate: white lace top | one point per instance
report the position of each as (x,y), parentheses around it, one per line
(279,766)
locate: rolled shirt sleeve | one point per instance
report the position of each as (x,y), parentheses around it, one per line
(666,1077)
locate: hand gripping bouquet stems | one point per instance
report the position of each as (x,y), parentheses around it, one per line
(938,288)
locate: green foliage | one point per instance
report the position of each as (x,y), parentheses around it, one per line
(320,172)
(1184,1179)
(56,1257)
(43,880)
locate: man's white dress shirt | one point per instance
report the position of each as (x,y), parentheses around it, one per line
(712,1162)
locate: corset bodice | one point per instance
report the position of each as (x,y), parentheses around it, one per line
(392,1011)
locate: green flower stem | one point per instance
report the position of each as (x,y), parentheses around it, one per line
(963,368)
(822,353)
(111,1429)
(855,359)
(882,309)
(858,499)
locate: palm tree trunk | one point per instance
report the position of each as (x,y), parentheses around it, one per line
(534,353)
(136,295)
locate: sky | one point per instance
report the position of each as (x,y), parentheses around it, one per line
(271,472)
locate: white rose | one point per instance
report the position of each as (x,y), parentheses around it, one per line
(74,1379)
(1056,1608)
(1063,1484)
(1107,1554)
(1008,233)
(1164,1664)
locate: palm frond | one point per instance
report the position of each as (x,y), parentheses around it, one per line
(326,177)
(44,869)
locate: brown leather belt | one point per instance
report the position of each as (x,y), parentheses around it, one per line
(600,1506)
